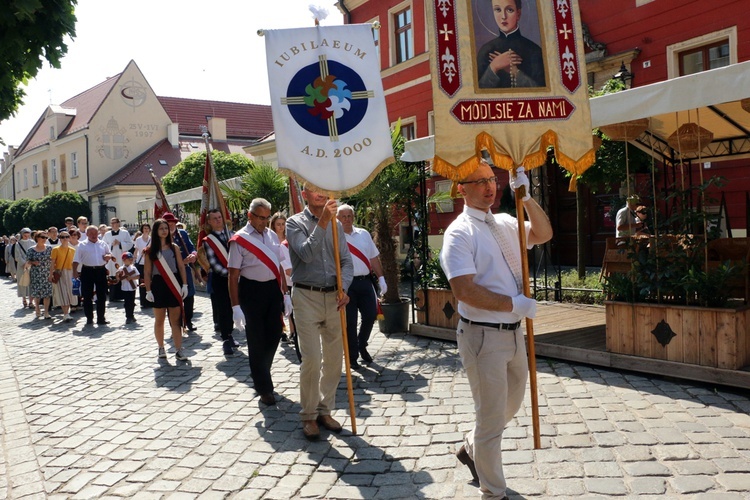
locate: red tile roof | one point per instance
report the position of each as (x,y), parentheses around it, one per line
(244,121)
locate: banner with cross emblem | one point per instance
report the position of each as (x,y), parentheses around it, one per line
(507,78)
(328,106)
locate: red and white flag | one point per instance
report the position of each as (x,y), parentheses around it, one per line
(160,201)
(212,197)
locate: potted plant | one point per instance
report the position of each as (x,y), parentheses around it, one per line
(390,198)
(684,296)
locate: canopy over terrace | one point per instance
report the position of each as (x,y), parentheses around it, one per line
(181,197)
(712,99)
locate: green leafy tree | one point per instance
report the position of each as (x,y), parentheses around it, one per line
(31,31)
(188,173)
(14,218)
(262,181)
(4,204)
(53,208)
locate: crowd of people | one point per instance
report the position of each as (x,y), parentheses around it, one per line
(275,271)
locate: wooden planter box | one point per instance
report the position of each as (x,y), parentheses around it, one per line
(704,336)
(440,310)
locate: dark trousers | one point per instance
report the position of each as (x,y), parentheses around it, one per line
(94,277)
(189,303)
(361,301)
(262,303)
(129,298)
(221,305)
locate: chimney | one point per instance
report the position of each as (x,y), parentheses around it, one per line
(217,127)
(173,134)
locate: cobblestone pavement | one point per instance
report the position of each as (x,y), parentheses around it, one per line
(91,413)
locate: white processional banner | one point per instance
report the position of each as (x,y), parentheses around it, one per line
(328,106)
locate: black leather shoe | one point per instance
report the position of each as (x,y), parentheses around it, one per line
(102,322)
(268,399)
(354,365)
(191,327)
(463,456)
(365,355)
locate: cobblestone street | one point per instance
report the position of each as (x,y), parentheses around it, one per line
(90,412)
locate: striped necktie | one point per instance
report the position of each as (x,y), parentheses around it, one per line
(505,247)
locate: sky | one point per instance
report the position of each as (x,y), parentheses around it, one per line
(185,48)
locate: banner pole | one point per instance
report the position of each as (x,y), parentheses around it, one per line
(520,215)
(342,316)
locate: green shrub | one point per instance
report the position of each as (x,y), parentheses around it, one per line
(570,279)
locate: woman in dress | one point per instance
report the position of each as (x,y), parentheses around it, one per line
(39,265)
(141,243)
(10,258)
(158,291)
(22,247)
(62,263)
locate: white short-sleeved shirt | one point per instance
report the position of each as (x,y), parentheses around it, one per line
(625,216)
(470,248)
(134,274)
(361,239)
(286,263)
(249,265)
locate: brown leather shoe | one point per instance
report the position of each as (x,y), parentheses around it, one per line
(329,423)
(463,456)
(310,430)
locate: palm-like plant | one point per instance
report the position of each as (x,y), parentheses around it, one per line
(261,181)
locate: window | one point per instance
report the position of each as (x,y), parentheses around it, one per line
(53,170)
(52,133)
(18,182)
(708,51)
(408,130)
(34,175)
(404,35)
(704,58)
(446,204)
(26,178)
(74,164)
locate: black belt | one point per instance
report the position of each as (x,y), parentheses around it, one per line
(497,326)
(94,267)
(363,277)
(324,289)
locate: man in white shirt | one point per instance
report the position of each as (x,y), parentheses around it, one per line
(89,264)
(362,298)
(627,221)
(482,260)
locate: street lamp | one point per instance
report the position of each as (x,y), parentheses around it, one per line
(623,75)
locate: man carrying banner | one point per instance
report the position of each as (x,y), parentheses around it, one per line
(216,246)
(482,260)
(362,299)
(258,293)
(189,255)
(316,304)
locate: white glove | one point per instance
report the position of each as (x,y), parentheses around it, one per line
(520,180)
(383,286)
(524,306)
(150,296)
(239,317)
(287,305)
(184,291)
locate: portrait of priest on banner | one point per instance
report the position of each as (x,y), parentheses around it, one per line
(508,41)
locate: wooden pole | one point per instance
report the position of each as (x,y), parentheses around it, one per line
(520,215)
(342,315)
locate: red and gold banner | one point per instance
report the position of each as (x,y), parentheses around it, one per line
(507,79)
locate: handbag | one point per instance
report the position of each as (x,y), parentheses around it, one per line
(55,276)
(25,279)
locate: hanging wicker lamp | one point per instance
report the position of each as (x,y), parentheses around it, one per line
(690,138)
(745,103)
(625,131)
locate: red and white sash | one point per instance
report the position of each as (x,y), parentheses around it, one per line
(171,280)
(262,252)
(218,247)
(358,253)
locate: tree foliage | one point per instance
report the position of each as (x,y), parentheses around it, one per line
(188,173)
(14,218)
(4,204)
(31,31)
(261,181)
(53,208)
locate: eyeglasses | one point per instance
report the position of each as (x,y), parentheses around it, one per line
(260,216)
(482,182)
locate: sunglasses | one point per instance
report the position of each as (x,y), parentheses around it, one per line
(41,237)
